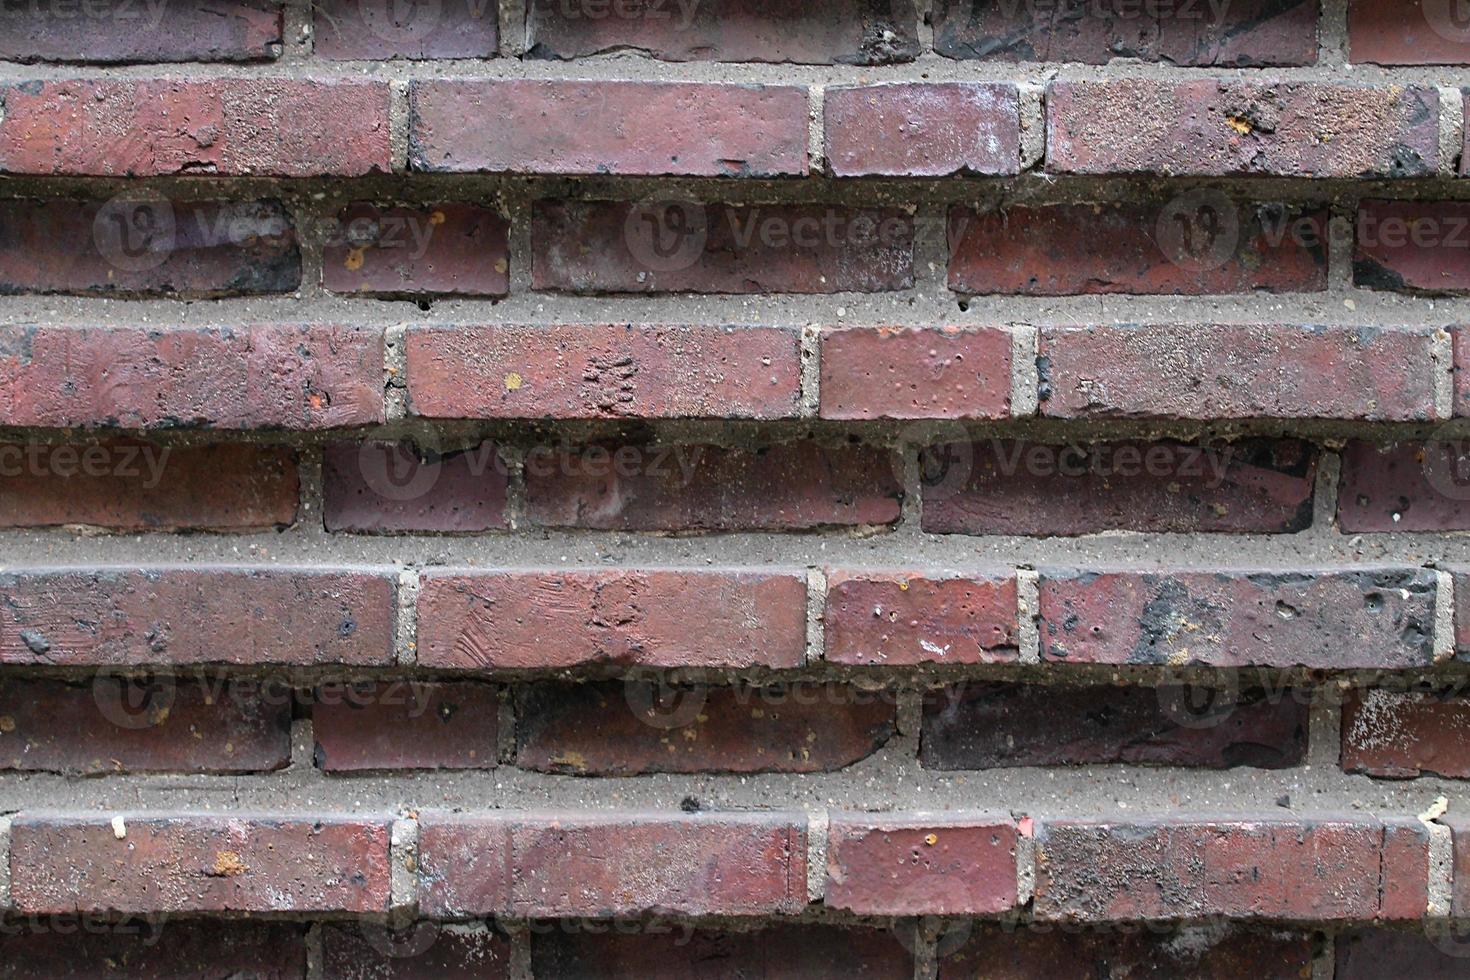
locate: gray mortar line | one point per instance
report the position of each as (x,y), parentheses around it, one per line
(1025,869)
(514,38)
(1444,617)
(810,403)
(816,628)
(816,133)
(1441,870)
(1324,740)
(817,823)
(406,617)
(505,727)
(303,744)
(395,372)
(1325,490)
(403,869)
(1028,616)
(1332,36)
(1442,358)
(298,34)
(1451,128)
(1025,378)
(520,951)
(5,898)
(1033,126)
(398,126)
(1340,247)
(1324,964)
(315,963)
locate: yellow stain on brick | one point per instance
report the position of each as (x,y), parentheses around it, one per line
(228,864)
(513,381)
(354,259)
(7,724)
(1241,126)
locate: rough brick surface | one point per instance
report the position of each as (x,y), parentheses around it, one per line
(1401,735)
(418,951)
(377,487)
(1460,344)
(921,864)
(1413,246)
(1460,577)
(903,618)
(350,30)
(403,724)
(1437,949)
(1409,486)
(108,32)
(154,947)
(922,129)
(916,373)
(1407,32)
(451,250)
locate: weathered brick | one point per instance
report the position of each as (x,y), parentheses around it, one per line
(447,249)
(639,128)
(350,30)
(1413,246)
(1460,888)
(635,486)
(1196,243)
(922,129)
(603,371)
(134,949)
(250,377)
(278,127)
(1224,127)
(612,863)
(1436,950)
(564,618)
(1460,345)
(916,373)
(1237,618)
(418,951)
(402,724)
(903,618)
(1407,32)
(1401,735)
(199,614)
(1460,578)
(1009,486)
(1409,486)
(121,31)
(198,863)
(1003,725)
(1209,371)
(921,864)
(681,246)
(622,728)
(377,487)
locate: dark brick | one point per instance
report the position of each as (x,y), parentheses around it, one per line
(1410,486)
(922,129)
(419,951)
(1402,735)
(377,487)
(916,373)
(350,30)
(444,250)
(1460,578)
(150,948)
(124,31)
(921,864)
(1437,950)
(1407,32)
(896,618)
(1460,344)
(402,724)
(1413,246)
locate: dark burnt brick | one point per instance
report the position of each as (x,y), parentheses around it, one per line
(637,486)
(1249,34)
(221,30)
(147,948)
(1460,578)
(596,371)
(1436,949)
(160,724)
(147,245)
(418,951)
(1465,128)
(1406,32)
(1413,246)
(443,250)
(624,728)
(1217,371)
(402,724)
(636,128)
(197,614)
(1225,127)
(849,32)
(351,30)
(1401,735)
(198,863)
(1240,618)
(133,485)
(1001,725)
(916,373)
(901,618)
(1408,486)
(921,864)
(679,246)
(144,127)
(376,487)
(612,863)
(1009,486)
(250,377)
(1194,244)
(922,129)
(472,620)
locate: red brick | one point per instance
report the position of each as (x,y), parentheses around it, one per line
(680,246)
(596,371)
(1407,32)
(1224,127)
(1208,371)
(277,127)
(1413,246)
(922,129)
(916,373)
(133,485)
(921,864)
(419,951)
(1239,618)
(610,863)
(1402,735)
(1196,243)
(1465,128)
(377,487)
(558,126)
(895,618)
(120,31)
(448,249)
(251,377)
(349,30)
(199,614)
(1410,486)
(1460,889)
(623,728)
(198,863)
(402,724)
(1436,950)
(1461,584)
(647,487)
(133,949)
(565,618)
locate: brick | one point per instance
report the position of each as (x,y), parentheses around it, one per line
(199,614)
(419,951)
(898,618)
(1460,582)
(471,620)
(165,724)
(1206,371)
(135,949)
(1413,246)
(849,32)
(921,864)
(350,30)
(1460,345)
(623,728)
(1197,243)
(250,377)
(273,127)
(119,31)
(1223,127)
(443,250)
(633,128)
(1401,735)
(682,246)
(1465,129)
(1407,32)
(1010,486)
(596,371)
(1004,725)
(1437,950)
(402,724)
(148,245)
(380,487)
(1236,35)
(1460,886)
(173,863)
(636,486)
(1409,486)
(612,863)
(916,373)
(1240,618)
(922,129)
(135,485)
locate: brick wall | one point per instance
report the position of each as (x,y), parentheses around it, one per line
(714,488)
